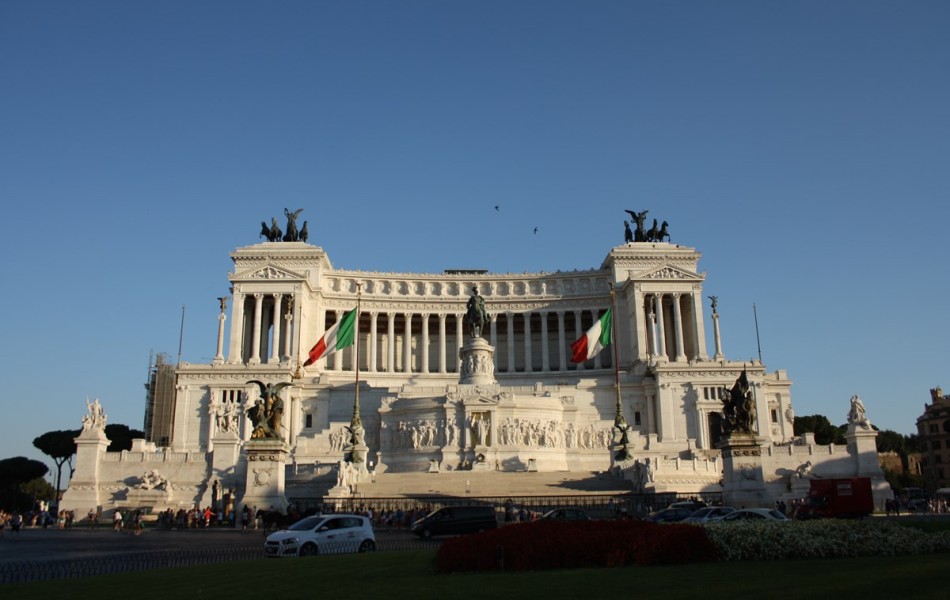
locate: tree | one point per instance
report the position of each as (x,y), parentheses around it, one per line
(14,473)
(825,432)
(121,436)
(60,446)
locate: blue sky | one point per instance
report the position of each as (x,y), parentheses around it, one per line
(802,147)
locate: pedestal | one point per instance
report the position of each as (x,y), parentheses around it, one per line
(478,365)
(743,482)
(264,481)
(83,492)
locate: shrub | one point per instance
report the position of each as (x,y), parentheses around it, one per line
(558,545)
(748,540)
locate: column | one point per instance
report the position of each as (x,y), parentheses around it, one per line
(545,346)
(288,323)
(407,345)
(700,325)
(425,342)
(391,342)
(256,337)
(678,328)
(509,317)
(237,321)
(661,327)
(373,340)
(275,318)
(442,367)
(719,355)
(641,323)
(528,359)
(493,336)
(219,355)
(562,342)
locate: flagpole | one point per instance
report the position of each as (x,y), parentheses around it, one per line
(619,421)
(356,424)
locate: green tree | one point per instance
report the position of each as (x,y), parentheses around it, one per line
(15,472)
(825,432)
(121,436)
(61,447)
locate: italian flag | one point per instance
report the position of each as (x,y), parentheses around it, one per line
(592,342)
(336,338)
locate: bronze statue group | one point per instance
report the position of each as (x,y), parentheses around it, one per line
(641,234)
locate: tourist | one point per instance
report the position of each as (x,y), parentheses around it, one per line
(117,520)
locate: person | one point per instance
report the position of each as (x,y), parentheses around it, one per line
(117,520)
(245,517)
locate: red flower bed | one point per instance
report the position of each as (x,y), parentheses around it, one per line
(561,545)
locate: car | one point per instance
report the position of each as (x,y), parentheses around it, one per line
(669,515)
(754,514)
(709,514)
(453,520)
(693,505)
(322,534)
(565,514)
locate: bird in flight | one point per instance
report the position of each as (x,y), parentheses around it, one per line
(535,231)
(496,207)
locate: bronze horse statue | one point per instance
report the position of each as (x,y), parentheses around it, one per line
(476,316)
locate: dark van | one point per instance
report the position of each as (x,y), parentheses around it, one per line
(454,520)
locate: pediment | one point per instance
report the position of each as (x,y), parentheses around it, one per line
(667,273)
(268,272)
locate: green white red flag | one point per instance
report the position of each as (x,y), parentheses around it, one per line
(338,337)
(592,342)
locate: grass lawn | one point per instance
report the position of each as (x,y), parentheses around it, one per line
(411,575)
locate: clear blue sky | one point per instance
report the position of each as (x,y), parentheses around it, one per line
(802,147)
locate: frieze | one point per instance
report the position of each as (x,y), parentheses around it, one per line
(726,452)
(265,457)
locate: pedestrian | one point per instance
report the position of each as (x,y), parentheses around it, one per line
(117,520)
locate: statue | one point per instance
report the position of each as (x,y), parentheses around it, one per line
(627,232)
(640,234)
(476,316)
(272,233)
(267,412)
(652,232)
(292,235)
(95,418)
(223,302)
(715,303)
(857,416)
(738,407)
(152,480)
(304,234)
(662,233)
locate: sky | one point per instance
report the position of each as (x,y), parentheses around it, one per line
(801,147)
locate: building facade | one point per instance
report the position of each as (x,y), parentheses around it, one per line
(933,427)
(526,407)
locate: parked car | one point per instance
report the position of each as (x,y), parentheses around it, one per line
(322,534)
(692,505)
(566,514)
(455,520)
(669,515)
(708,514)
(756,514)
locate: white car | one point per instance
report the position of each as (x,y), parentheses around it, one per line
(322,534)
(754,514)
(708,514)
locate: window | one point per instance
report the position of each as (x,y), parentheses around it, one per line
(935,444)
(308,421)
(774,416)
(636,418)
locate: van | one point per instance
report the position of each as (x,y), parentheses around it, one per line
(455,520)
